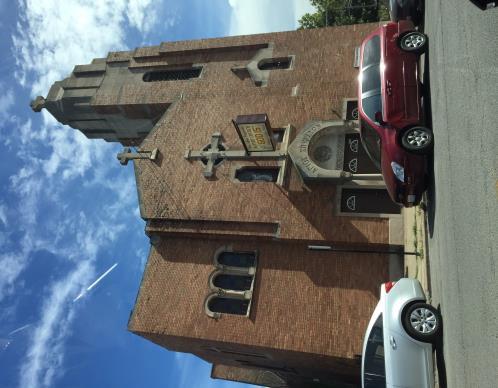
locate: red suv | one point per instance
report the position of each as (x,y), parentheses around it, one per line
(390,112)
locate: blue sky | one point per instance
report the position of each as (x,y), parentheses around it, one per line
(68,209)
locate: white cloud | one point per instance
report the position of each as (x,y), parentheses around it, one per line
(300,8)
(3,214)
(45,355)
(6,102)
(53,36)
(12,265)
(43,362)
(139,17)
(61,168)
(259,16)
(26,132)
(71,150)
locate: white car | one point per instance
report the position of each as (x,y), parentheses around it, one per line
(397,350)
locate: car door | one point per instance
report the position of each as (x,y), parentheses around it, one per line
(412,362)
(408,359)
(391,69)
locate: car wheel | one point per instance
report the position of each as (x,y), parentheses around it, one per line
(418,140)
(414,42)
(423,322)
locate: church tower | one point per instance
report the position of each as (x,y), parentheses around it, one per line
(270,229)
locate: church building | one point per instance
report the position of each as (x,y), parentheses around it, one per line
(270,229)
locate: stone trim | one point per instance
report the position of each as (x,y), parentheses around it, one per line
(229,270)
(299,151)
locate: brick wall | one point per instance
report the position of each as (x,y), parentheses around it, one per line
(309,309)
(175,188)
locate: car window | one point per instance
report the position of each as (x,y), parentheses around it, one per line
(371,142)
(374,371)
(372,105)
(371,51)
(370,79)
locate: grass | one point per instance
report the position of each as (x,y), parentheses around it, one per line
(417,243)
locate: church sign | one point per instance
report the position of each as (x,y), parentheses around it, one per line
(255,132)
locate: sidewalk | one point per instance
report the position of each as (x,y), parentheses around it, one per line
(418,266)
(415,241)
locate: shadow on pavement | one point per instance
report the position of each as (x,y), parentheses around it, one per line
(431,189)
(440,363)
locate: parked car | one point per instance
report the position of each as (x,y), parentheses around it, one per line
(397,349)
(406,10)
(389,102)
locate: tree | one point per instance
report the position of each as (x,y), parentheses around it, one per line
(343,12)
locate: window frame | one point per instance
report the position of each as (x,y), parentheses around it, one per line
(148,74)
(378,380)
(365,125)
(219,273)
(218,314)
(217,292)
(275,60)
(277,169)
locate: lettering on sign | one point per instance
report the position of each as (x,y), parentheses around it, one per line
(309,165)
(306,137)
(255,132)
(255,137)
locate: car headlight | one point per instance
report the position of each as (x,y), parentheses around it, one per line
(398,171)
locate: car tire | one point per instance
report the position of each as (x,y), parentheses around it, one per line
(418,140)
(413,42)
(423,322)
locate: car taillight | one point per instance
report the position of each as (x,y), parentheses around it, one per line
(388,286)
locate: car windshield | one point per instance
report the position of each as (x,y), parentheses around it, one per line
(371,142)
(374,370)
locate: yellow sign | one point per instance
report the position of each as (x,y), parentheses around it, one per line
(255,137)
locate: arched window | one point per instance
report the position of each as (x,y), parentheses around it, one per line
(172,74)
(233,282)
(237,259)
(228,305)
(274,63)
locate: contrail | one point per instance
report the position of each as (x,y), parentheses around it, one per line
(20,329)
(95,282)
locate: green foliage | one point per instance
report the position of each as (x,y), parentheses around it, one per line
(344,12)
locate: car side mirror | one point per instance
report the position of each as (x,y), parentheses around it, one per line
(378,118)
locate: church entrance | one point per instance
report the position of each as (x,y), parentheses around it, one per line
(356,159)
(366,200)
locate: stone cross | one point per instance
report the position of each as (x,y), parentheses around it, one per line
(216,151)
(125,156)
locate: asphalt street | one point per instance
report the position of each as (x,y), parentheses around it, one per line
(462,202)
